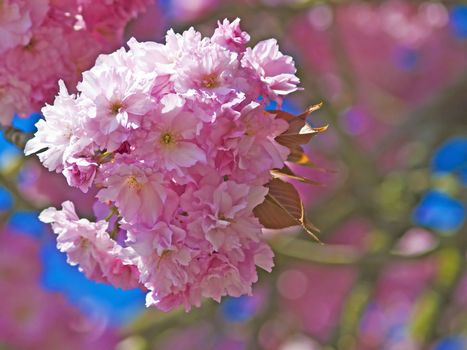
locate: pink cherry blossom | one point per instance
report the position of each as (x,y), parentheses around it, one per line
(172,140)
(213,72)
(88,245)
(59,133)
(119,96)
(276,72)
(230,35)
(80,172)
(137,192)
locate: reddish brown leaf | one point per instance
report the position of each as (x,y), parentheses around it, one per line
(283,115)
(298,156)
(298,132)
(283,208)
(272,216)
(287,172)
(289,117)
(310,110)
(292,137)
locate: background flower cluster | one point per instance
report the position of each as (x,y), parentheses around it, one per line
(46,40)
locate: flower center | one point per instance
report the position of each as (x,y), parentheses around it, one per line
(167,138)
(115,107)
(84,243)
(210,81)
(222,217)
(163,255)
(30,45)
(133,183)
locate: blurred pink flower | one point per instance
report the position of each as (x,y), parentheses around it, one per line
(34,319)
(71,34)
(18,18)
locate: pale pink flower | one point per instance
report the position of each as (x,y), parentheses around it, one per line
(223,211)
(256,152)
(168,266)
(120,95)
(223,278)
(88,245)
(154,58)
(163,256)
(58,134)
(230,35)
(135,190)
(80,172)
(214,71)
(179,44)
(172,142)
(233,273)
(276,71)
(151,57)
(263,256)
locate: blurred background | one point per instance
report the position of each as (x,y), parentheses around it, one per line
(391,206)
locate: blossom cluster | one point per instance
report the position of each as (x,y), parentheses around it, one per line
(175,138)
(44,40)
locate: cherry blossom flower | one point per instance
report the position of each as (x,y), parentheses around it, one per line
(88,245)
(276,72)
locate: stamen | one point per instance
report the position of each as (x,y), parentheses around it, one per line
(167,138)
(115,107)
(163,255)
(133,183)
(30,45)
(210,81)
